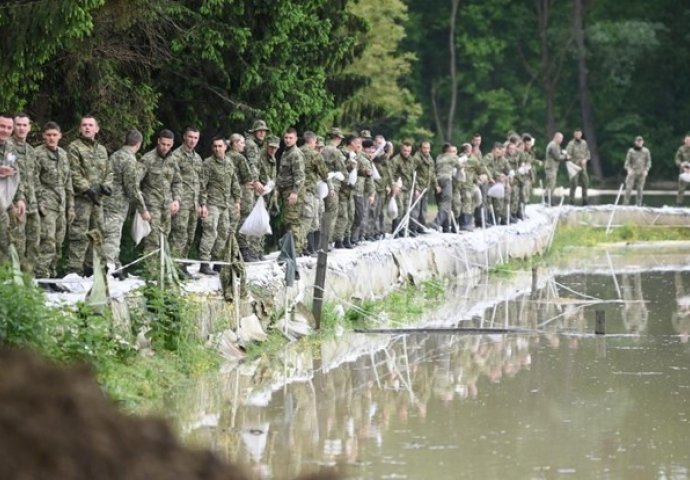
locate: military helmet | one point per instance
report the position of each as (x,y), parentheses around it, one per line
(336,132)
(320,142)
(259,125)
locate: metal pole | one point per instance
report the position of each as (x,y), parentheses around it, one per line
(600,327)
(613,210)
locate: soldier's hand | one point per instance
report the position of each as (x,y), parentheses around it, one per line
(438,189)
(331,193)
(71,215)
(6,171)
(174,207)
(258,188)
(292,198)
(92,193)
(372,199)
(237,208)
(146,216)
(203,212)
(106,190)
(19,209)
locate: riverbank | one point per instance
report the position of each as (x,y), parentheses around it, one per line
(138,366)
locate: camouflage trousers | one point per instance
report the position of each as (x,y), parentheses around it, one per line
(160,224)
(375,216)
(4,236)
(292,218)
(25,235)
(89,217)
(182,230)
(215,229)
(550,176)
(682,186)
(581,179)
(113,220)
(311,213)
(361,217)
(637,181)
(53,225)
(345,215)
(247,199)
(445,203)
(330,215)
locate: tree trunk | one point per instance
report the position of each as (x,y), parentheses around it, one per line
(434,108)
(583,89)
(453,70)
(549,83)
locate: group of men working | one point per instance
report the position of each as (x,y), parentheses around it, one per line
(345,188)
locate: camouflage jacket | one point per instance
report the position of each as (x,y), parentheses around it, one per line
(578,151)
(244,170)
(402,168)
(291,174)
(125,183)
(53,180)
(88,162)
(426,171)
(335,162)
(314,169)
(160,180)
(9,157)
(365,182)
(219,184)
(638,160)
(26,162)
(190,167)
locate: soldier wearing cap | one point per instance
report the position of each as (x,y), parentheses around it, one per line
(315,171)
(426,180)
(638,161)
(683,163)
(255,140)
(267,172)
(365,135)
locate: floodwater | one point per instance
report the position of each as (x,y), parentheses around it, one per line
(552,401)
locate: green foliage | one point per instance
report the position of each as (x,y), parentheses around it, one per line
(22,313)
(168,310)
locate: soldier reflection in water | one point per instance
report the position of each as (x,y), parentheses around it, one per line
(681,317)
(635,313)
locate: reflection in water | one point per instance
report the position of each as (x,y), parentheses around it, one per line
(536,405)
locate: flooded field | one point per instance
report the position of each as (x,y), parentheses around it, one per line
(552,401)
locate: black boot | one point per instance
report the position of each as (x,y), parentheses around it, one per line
(183,273)
(309,247)
(247,255)
(217,267)
(207,270)
(468,224)
(394,225)
(316,237)
(347,243)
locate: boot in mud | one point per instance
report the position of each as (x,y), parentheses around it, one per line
(207,270)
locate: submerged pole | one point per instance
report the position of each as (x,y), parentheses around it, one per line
(600,323)
(613,210)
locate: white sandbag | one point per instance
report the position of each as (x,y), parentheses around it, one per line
(258,223)
(9,185)
(140,228)
(459,175)
(497,190)
(393,208)
(352,177)
(684,177)
(524,169)
(477,196)
(375,173)
(322,189)
(573,169)
(251,329)
(336,175)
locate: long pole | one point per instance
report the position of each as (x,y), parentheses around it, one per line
(613,211)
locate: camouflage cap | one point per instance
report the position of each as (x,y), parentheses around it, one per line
(365,134)
(259,125)
(336,132)
(320,142)
(273,141)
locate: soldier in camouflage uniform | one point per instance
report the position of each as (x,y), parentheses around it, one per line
(248,176)
(290,184)
(380,161)
(267,172)
(525,174)
(364,193)
(578,153)
(190,167)
(9,168)
(346,205)
(25,233)
(55,200)
(402,168)
(683,163)
(638,161)
(513,148)
(425,168)
(161,188)
(220,197)
(335,163)
(468,181)
(314,171)
(553,158)
(255,142)
(125,186)
(90,179)
(447,163)
(498,168)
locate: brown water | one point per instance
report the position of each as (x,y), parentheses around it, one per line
(558,402)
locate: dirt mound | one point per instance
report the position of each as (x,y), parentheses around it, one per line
(56,423)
